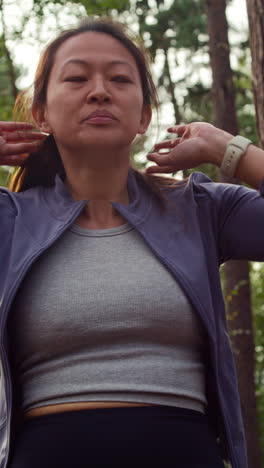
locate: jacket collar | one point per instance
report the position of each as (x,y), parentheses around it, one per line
(60,201)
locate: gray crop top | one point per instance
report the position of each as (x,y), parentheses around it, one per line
(99,318)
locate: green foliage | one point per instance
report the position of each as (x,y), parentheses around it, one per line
(99,7)
(6,98)
(178,26)
(4,177)
(200,100)
(92,7)
(257,279)
(244,95)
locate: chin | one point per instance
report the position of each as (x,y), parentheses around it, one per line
(106,142)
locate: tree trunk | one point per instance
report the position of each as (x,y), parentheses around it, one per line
(237,285)
(223,89)
(256,34)
(241,332)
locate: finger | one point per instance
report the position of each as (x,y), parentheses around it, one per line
(19,135)
(7,149)
(167,144)
(179,129)
(13,126)
(160,170)
(14,160)
(162,159)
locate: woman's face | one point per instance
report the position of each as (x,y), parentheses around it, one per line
(94,95)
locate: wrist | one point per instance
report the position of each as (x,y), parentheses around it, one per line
(221,141)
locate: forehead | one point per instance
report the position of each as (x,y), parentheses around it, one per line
(93,47)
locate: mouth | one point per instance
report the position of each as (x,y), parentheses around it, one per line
(99,117)
(98,120)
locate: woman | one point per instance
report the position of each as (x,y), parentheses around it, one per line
(114,343)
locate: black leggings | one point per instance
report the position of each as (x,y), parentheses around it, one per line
(134,437)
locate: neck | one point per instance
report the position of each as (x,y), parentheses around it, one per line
(100,180)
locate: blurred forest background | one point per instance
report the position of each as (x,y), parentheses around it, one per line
(200,76)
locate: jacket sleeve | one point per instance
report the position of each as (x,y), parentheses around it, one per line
(237,214)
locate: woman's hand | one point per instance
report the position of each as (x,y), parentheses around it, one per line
(17,140)
(196,143)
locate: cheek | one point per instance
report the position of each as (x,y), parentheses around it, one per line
(59,111)
(55,103)
(136,116)
(134,105)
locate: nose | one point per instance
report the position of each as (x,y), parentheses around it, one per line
(98,91)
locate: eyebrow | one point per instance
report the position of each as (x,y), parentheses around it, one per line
(85,63)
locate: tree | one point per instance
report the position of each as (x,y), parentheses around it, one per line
(8,73)
(169,30)
(7,55)
(237,281)
(257,274)
(7,84)
(255,10)
(172,31)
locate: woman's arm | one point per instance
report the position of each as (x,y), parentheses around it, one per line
(199,143)
(251,167)
(17,140)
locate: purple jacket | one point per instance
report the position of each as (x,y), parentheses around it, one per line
(203,225)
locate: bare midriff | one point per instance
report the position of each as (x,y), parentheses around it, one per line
(61,408)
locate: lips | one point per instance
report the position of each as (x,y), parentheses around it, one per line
(100,115)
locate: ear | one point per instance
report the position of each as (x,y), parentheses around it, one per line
(41,119)
(145,119)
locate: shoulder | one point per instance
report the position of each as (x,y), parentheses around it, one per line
(6,201)
(199,186)
(217,198)
(14,202)
(218,192)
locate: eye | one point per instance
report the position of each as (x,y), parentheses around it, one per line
(121,79)
(75,79)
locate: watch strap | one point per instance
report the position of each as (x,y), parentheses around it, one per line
(234,150)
